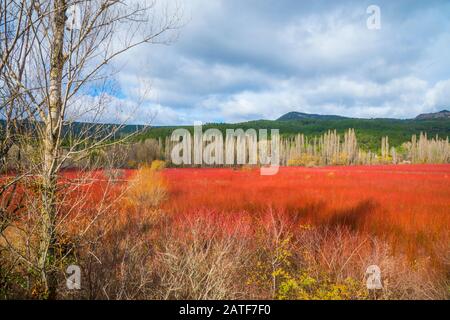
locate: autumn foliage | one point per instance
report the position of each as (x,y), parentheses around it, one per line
(305,233)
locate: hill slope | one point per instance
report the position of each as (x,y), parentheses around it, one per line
(301,115)
(444,114)
(369,131)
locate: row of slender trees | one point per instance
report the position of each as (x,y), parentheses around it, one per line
(332,149)
(299,150)
(424,150)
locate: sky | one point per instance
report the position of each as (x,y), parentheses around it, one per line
(241,60)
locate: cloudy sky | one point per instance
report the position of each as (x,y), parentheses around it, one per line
(239,60)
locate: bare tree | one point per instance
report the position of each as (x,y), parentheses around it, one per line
(16,19)
(49,64)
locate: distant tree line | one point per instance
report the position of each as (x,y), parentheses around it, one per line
(369,131)
(333,149)
(330,148)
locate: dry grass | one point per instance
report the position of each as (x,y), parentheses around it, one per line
(202,263)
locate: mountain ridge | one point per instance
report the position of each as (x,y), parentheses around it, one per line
(297,115)
(443,114)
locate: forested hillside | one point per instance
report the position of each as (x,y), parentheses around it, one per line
(368,131)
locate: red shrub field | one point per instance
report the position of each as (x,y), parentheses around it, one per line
(409,205)
(304,233)
(404,200)
(340,216)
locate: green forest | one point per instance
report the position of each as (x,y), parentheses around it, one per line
(368,131)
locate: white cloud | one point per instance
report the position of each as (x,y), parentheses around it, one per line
(244,60)
(438,97)
(403,98)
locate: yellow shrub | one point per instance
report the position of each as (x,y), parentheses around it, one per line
(286,280)
(305,160)
(147,188)
(305,287)
(158,165)
(340,159)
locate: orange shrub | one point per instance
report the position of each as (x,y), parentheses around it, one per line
(147,189)
(158,165)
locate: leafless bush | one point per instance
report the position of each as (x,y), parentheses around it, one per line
(192,261)
(202,264)
(342,253)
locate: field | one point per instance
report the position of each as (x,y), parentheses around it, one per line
(305,233)
(406,202)
(223,233)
